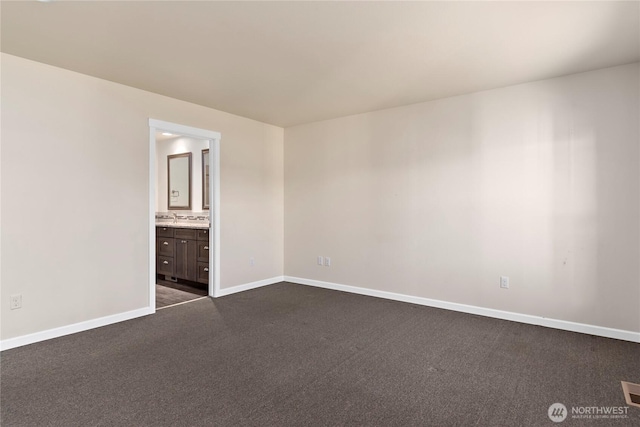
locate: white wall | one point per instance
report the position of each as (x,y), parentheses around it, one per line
(538,182)
(75,191)
(180,145)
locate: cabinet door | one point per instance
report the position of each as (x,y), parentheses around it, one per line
(186,259)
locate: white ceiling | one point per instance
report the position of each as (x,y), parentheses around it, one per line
(288,63)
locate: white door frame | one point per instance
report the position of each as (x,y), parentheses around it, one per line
(214,196)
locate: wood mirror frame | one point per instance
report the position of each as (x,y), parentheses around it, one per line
(205,179)
(184,180)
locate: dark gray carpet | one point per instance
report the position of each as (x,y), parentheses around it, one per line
(291,355)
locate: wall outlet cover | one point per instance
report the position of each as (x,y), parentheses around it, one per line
(16,301)
(504,282)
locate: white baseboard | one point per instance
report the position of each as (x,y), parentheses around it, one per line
(247,286)
(488,312)
(108,320)
(72,329)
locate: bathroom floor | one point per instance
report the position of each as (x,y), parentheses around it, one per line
(169,293)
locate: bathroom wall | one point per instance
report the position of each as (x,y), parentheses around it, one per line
(178,145)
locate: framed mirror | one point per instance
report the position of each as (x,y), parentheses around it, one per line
(179,177)
(205,179)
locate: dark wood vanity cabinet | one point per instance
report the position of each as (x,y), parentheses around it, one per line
(203,272)
(186,255)
(165,266)
(203,256)
(183,253)
(164,231)
(203,251)
(165,248)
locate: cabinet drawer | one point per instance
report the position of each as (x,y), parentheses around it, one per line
(203,235)
(165,246)
(164,231)
(203,251)
(185,233)
(165,265)
(203,272)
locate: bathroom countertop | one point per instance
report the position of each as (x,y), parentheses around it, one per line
(183,224)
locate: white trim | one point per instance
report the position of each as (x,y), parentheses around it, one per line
(184,130)
(180,303)
(471,309)
(247,286)
(72,329)
(152,219)
(214,216)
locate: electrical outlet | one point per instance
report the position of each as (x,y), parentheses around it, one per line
(504,282)
(320,260)
(252,261)
(16,301)
(327,261)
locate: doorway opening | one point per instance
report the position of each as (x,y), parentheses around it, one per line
(184,214)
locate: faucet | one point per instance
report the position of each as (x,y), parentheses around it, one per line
(175,217)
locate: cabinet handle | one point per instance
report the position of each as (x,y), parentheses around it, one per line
(206,269)
(164,229)
(206,248)
(165,262)
(206,231)
(184,241)
(165,243)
